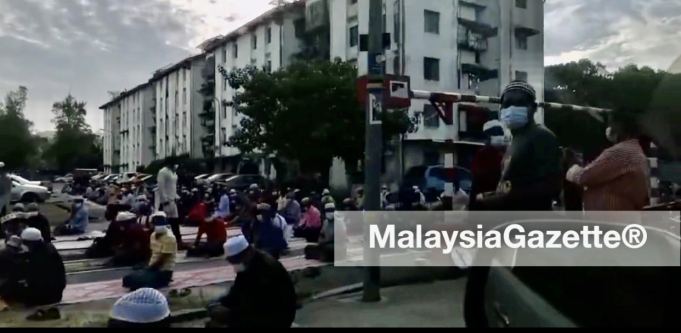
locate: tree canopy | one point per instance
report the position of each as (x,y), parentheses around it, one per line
(17,144)
(653,94)
(307,112)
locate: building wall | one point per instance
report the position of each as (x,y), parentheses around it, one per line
(173,113)
(273,54)
(135,137)
(197,131)
(112,138)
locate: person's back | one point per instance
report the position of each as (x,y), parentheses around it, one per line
(263,295)
(620,186)
(40,222)
(46,275)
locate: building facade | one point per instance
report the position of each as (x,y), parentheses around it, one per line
(178,104)
(111,139)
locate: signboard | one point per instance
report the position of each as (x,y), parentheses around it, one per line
(375,107)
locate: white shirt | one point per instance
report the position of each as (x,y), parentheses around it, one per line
(167,185)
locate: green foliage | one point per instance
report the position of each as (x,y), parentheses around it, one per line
(653,94)
(74,145)
(17,145)
(307,112)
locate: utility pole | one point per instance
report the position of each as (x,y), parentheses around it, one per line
(374,145)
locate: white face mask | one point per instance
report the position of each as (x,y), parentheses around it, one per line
(161,230)
(259,217)
(498,141)
(610,135)
(330,216)
(239,268)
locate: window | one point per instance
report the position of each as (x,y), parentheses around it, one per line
(521,42)
(299,26)
(431,118)
(235,50)
(353,2)
(432,20)
(224,55)
(521,3)
(431,69)
(268,66)
(354,36)
(225,84)
(520,75)
(254,42)
(268,35)
(184,96)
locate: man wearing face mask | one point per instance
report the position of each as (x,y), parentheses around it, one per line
(264,233)
(328,238)
(531,176)
(262,295)
(618,180)
(163,253)
(77,224)
(291,210)
(486,166)
(167,198)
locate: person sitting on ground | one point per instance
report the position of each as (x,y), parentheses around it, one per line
(262,295)
(45,272)
(13,273)
(311,223)
(133,248)
(144,308)
(128,198)
(77,224)
(291,209)
(163,245)
(324,250)
(37,220)
(199,212)
(264,233)
(215,230)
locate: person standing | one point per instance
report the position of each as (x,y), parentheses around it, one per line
(531,176)
(618,180)
(159,272)
(5,190)
(486,166)
(167,199)
(263,294)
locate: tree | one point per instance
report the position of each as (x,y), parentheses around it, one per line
(17,144)
(74,145)
(307,112)
(654,94)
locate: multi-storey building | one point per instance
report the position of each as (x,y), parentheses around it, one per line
(126,138)
(270,41)
(178,104)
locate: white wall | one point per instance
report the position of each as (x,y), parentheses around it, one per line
(173,113)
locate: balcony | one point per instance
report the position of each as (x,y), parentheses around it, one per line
(471,42)
(483,29)
(473,3)
(481,72)
(526,32)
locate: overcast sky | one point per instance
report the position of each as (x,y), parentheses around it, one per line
(89,47)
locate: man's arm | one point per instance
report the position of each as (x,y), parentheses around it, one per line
(161,260)
(608,166)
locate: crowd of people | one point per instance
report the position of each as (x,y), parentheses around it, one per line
(528,173)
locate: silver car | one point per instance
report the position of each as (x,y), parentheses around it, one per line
(29,193)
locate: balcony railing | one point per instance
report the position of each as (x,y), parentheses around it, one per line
(468,41)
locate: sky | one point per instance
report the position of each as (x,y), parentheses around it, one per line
(90,47)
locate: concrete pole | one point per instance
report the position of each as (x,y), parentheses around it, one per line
(373,149)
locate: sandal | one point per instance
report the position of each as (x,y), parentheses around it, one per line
(45,315)
(180,293)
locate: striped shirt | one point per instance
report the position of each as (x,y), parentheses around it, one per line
(618,180)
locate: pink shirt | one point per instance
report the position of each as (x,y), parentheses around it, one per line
(312,218)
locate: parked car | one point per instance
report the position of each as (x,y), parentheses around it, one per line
(201,179)
(29,193)
(24,181)
(433,179)
(218,177)
(126,177)
(64,179)
(110,178)
(242,182)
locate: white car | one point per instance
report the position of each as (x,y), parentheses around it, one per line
(24,181)
(29,193)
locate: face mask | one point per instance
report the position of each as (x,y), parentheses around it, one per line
(160,230)
(259,217)
(515,117)
(610,135)
(239,268)
(498,141)
(330,216)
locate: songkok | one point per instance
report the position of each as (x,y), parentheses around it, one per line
(236,245)
(144,306)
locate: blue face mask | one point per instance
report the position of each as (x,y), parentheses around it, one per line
(515,117)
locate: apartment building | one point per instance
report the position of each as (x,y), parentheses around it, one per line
(468,46)
(126,139)
(270,41)
(178,104)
